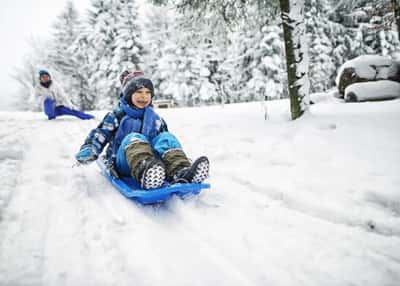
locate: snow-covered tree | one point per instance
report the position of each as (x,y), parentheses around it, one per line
(26,79)
(80,48)
(396,11)
(128,47)
(184,56)
(169,62)
(296,54)
(61,56)
(207,38)
(100,34)
(369,23)
(113,45)
(158,25)
(322,69)
(26,76)
(255,62)
(268,65)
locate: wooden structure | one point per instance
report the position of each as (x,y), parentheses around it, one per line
(164,103)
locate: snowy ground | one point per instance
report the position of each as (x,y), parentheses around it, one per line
(310,202)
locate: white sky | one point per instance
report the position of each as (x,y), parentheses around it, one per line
(21,20)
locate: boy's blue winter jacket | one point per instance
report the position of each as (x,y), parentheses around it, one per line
(120,122)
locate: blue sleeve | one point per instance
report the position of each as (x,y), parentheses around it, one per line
(99,137)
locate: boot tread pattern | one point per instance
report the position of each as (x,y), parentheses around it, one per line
(154,177)
(201,172)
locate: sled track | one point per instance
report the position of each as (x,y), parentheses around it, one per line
(318,213)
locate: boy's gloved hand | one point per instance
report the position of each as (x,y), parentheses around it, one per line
(86,155)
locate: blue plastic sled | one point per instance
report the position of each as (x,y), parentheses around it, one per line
(130,188)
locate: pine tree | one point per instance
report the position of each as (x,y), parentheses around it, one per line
(128,47)
(158,38)
(81,49)
(239,61)
(396,12)
(61,56)
(100,36)
(322,66)
(208,41)
(26,76)
(267,66)
(114,45)
(367,27)
(255,61)
(184,56)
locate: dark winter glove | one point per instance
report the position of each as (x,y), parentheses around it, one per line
(86,155)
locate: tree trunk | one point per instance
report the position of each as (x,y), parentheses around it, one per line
(292,15)
(396,10)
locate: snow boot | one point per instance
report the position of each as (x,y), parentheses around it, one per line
(174,160)
(145,168)
(150,173)
(196,173)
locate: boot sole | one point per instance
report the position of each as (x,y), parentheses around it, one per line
(154,177)
(202,171)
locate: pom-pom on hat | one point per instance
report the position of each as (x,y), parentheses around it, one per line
(127,76)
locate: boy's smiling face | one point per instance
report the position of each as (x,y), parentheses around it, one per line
(142,97)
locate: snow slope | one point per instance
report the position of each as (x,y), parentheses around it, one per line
(310,202)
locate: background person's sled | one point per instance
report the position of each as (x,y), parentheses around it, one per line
(132,190)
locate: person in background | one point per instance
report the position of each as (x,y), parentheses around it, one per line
(52,99)
(139,143)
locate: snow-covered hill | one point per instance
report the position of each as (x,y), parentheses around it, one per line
(310,202)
